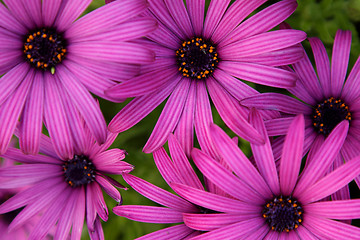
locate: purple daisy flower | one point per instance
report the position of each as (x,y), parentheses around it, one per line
(47,56)
(325,99)
(282,205)
(177,169)
(65,190)
(196,56)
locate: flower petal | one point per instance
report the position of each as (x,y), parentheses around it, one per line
(351,88)
(179,14)
(176,232)
(196,13)
(169,117)
(340,209)
(214,14)
(149,214)
(340,60)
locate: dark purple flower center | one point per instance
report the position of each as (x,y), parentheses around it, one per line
(44,48)
(328,114)
(283,214)
(197,58)
(79,171)
(9,216)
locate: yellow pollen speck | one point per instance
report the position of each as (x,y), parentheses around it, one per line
(44,35)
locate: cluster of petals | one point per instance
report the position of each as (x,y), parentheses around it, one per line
(100,51)
(246,50)
(250,187)
(48,193)
(312,88)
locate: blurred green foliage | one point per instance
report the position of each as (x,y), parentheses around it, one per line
(317,18)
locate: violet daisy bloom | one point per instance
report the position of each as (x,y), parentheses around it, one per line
(65,190)
(326,99)
(47,56)
(177,169)
(272,204)
(196,56)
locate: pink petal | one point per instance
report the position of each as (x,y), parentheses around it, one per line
(213,201)
(31,126)
(331,182)
(109,189)
(330,229)
(70,12)
(139,107)
(261,74)
(341,209)
(291,156)
(159,195)
(238,162)
(261,43)
(262,21)
(176,232)
(225,179)
(234,15)
(322,64)
(323,158)
(9,22)
(351,88)
(278,126)
(277,102)
(214,14)
(232,113)
(182,164)
(79,215)
(50,9)
(85,104)
(184,131)
(55,118)
(169,117)
(340,60)
(10,111)
(148,214)
(196,13)
(18,10)
(180,16)
(263,154)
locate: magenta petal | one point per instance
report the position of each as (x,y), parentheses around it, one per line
(18,156)
(232,113)
(322,64)
(70,12)
(106,17)
(304,233)
(19,11)
(50,216)
(11,80)
(177,232)
(238,162)
(214,201)
(214,14)
(263,154)
(9,22)
(149,214)
(178,12)
(233,16)
(143,84)
(182,164)
(291,156)
(262,21)
(159,195)
(79,214)
(278,126)
(351,89)
(331,182)
(184,131)
(55,118)
(31,126)
(50,10)
(203,119)
(10,111)
(123,52)
(330,229)
(225,179)
(212,221)
(323,157)
(169,117)
(340,60)
(196,13)
(261,74)
(341,209)
(234,231)
(108,188)
(261,43)
(85,104)
(277,102)
(139,107)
